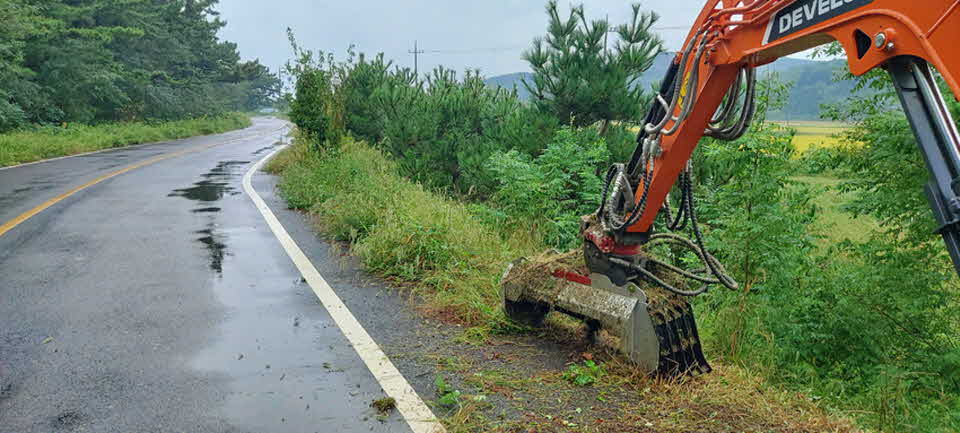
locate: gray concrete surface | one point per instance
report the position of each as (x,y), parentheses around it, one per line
(159,301)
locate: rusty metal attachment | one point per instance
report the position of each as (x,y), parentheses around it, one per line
(657,330)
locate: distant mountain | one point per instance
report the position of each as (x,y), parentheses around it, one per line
(813,86)
(812,80)
(514,80)
(511,81)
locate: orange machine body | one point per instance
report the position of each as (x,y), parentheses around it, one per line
(757,32)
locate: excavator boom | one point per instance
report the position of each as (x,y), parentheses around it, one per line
(732,36)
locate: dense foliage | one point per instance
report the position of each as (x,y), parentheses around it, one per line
(93,61)
(441,129)
(311,111)
(549,193)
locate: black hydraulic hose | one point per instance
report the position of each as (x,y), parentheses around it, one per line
(715,267)
(697,246)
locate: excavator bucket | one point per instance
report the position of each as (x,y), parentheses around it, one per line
(656,328)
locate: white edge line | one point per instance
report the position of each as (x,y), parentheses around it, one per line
(414,411)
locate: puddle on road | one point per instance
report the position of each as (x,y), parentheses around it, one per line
(263,149)
(205,190)
(206,210)
(216,184)
(216,247)
(225,168)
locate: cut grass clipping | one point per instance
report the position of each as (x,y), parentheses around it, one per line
(51,142)
(384,405)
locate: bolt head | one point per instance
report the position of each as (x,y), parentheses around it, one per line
(880,40)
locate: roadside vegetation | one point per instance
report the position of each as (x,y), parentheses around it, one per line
(442,249)
(846,298)
(39,143)
(131,71)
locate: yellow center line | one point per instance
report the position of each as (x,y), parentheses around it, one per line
(9,225)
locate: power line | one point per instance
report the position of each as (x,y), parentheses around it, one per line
(476,50)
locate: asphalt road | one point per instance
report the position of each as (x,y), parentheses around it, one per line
(159,301)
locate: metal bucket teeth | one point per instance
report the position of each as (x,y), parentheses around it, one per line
(680,348)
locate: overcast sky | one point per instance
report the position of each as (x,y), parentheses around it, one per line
(489,35)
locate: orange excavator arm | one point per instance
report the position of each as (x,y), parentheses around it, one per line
(708,91)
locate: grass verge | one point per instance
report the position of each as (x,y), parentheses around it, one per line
(401,230)
(51,142)
(511,382)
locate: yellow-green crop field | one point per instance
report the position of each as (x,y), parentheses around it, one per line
(814,133)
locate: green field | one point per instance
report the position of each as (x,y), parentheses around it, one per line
(834,223)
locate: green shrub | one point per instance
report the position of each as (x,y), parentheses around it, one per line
(759,226)
(359,82)
(312,110)
(621,142)
(443,131)
(550,192)
(579,79)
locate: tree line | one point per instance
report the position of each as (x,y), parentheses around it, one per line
(95,61)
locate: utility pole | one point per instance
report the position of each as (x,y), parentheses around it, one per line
(416,58)
(606,35)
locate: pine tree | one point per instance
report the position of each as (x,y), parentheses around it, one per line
(582,82)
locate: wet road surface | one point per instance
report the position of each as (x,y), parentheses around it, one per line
(159,301)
